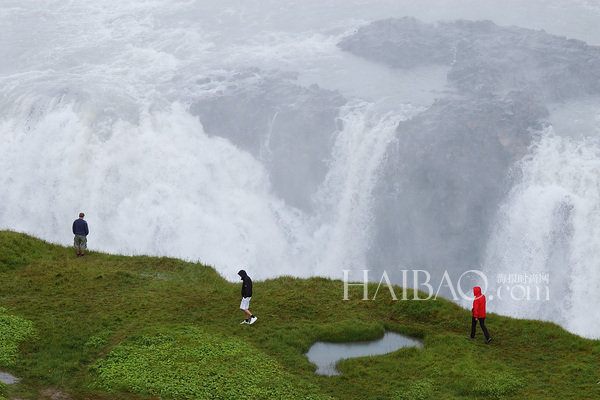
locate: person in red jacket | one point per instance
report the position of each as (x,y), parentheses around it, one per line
(479,314)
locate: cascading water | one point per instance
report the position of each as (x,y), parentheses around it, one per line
(163,187)
(543,257)
(168,124)
(100,123)
(344,201)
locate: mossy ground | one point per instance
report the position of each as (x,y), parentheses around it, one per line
(117,327)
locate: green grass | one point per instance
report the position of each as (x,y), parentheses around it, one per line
(188,363)
(116,327)
(13,331)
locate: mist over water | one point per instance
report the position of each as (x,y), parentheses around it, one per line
(546,232)
(98,100)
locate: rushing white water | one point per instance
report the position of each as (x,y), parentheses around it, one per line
(95,120)
(345,197)
(544,257)
(95,98)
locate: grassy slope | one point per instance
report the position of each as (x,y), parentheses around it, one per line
(83,308)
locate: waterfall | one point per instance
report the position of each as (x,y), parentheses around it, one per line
(106,109)
(161,186)
(543,258)
(344,202)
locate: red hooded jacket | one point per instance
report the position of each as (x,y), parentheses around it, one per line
(478,303)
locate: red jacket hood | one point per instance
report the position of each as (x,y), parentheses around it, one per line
(478,303)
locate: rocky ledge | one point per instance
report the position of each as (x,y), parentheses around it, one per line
(447,172)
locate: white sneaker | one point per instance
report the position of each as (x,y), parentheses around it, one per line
(252,320)
(244,322)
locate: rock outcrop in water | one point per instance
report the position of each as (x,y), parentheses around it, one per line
(442,180)
(288,127)
(485,57)
(446,175)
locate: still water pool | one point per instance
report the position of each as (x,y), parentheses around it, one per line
(325,355)
(7,378)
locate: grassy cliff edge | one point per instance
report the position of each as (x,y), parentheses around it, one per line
(119,327)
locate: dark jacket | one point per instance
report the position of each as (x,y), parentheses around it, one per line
(80,227)
(478,303)
(246,284)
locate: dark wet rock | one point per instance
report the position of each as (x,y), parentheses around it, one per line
(443,180)
(287,126)
(447,172)
(484,56)
(403,43)
(446,175)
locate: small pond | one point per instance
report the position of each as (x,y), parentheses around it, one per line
(325,354)
(7,378)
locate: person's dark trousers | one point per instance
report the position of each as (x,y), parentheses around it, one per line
(483,328)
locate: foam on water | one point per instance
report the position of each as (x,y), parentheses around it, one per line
(547,230)
(161,186)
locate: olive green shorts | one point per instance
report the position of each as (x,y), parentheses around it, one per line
(80,242)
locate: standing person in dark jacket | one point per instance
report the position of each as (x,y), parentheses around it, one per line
(479,314)
(246,295)
(80,230)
